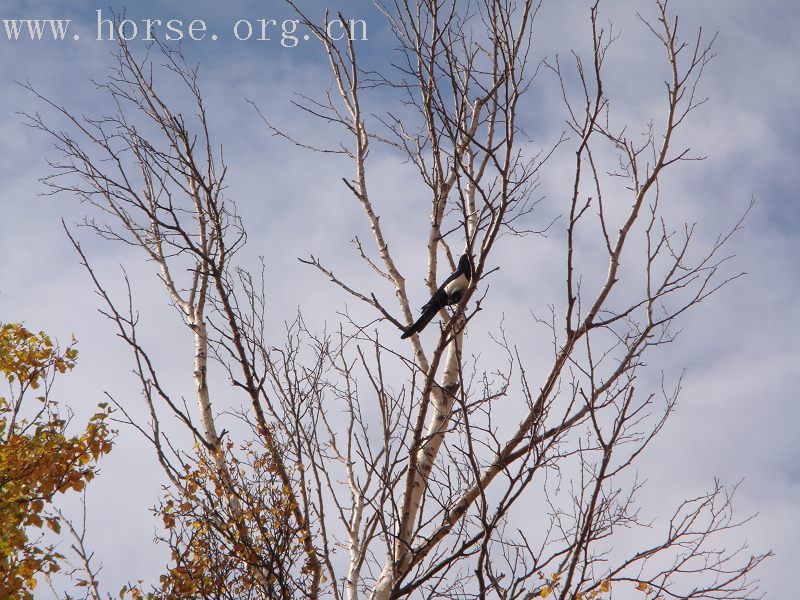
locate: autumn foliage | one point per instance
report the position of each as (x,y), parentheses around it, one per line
(221,551)
(38,458)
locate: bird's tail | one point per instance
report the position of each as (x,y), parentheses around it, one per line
(423,320)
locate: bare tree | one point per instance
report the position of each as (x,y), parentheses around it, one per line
(158,183)
(453,472)
(421,479)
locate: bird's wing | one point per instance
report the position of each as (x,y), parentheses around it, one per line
(438,299)
(454,275)
(441,291)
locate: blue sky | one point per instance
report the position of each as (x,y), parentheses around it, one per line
(738,416)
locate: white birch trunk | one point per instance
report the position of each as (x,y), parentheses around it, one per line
(201,384)
(442,403)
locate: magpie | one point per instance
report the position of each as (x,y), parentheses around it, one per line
(449,293)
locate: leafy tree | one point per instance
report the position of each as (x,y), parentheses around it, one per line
(39,459)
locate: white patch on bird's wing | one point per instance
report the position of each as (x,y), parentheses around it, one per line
(458,284)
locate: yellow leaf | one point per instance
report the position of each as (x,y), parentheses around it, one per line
(35,521)
(545,591)
(642,587)
(605,585)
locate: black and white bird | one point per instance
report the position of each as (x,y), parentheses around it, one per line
(448,294)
